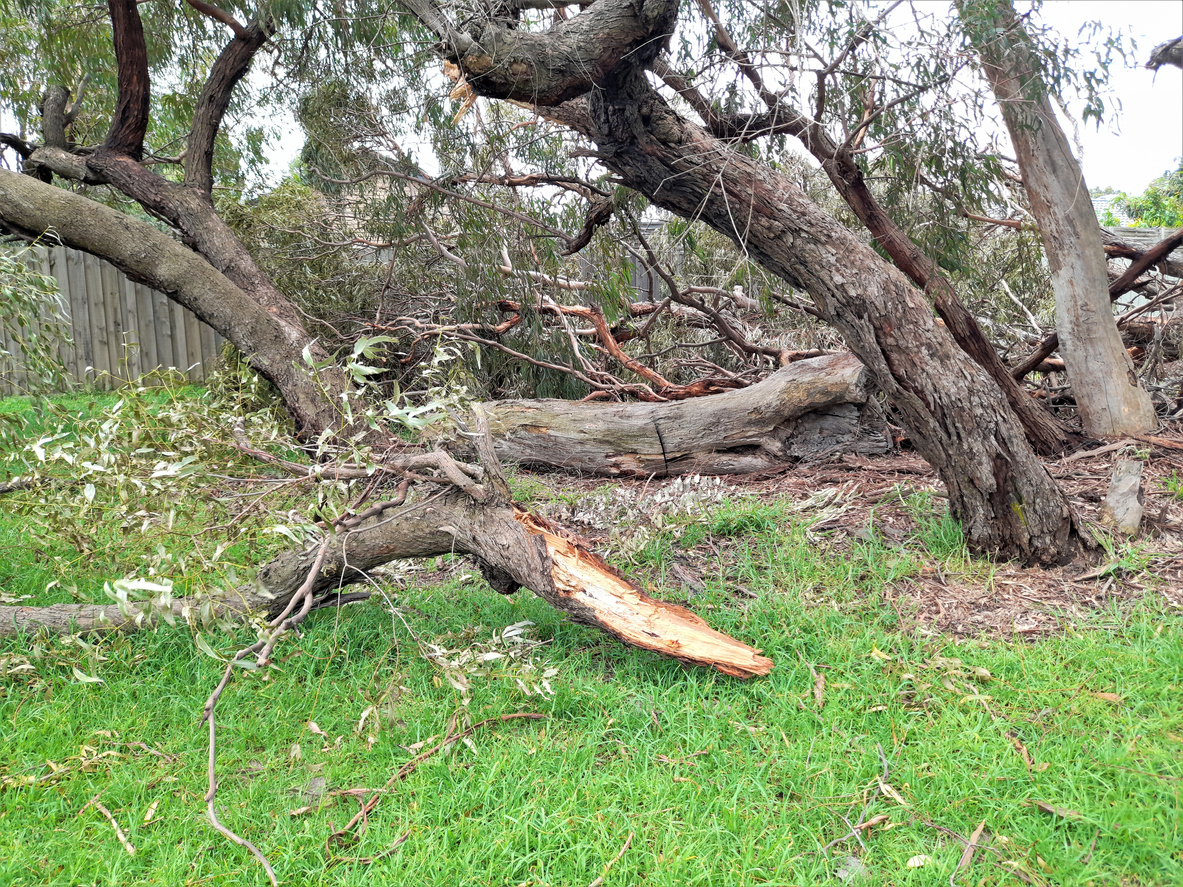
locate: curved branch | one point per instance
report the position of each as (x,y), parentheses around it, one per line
(525,548)
(230,67)
(560,63)
(145,254)
(219,15)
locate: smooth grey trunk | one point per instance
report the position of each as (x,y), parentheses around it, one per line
(1111,401)
(809,409)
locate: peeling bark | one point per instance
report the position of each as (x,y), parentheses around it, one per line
(1110,400)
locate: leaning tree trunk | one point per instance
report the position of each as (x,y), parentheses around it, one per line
(957,418)
(34,209)
(1111,401)
(809,409)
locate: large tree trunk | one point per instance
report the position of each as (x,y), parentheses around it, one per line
(33,209)
(956,417)
(513,547)
(808,409)
(1111,402)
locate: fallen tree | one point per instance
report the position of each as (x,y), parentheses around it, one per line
(808,409)
(513,548)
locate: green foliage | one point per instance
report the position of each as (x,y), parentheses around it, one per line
(1066,746)
(1160,205)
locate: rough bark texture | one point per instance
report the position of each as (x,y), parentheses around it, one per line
(1046,433)
(956,417)
(518,548)
(806,410)
(314,404)
(1108,395)
(129,123)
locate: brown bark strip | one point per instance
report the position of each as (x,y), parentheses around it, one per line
(1148,259)
(129,123)
(218,15)
(1046,433)
(596,316)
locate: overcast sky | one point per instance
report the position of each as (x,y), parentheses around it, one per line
(1150,124)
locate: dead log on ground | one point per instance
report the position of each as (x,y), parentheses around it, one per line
(513,547)
(808,409)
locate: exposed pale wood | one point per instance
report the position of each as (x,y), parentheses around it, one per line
(807,409)
(1122,508)
(618,604)
(1108,395)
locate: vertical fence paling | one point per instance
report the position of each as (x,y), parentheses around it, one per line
(121,330)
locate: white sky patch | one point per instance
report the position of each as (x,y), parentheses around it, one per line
(1145,138)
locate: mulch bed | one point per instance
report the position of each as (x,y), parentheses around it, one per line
(1003,599)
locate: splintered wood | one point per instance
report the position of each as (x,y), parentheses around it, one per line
(620,607)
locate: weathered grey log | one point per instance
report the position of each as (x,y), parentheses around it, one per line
(808,409)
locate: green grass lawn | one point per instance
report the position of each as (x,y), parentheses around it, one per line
(1069,749)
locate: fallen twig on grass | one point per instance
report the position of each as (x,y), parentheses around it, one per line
(94,802)
(967,855)
(615,859)
(279,626)
(343,836)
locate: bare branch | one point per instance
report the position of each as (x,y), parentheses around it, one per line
(219,15)
(230,67)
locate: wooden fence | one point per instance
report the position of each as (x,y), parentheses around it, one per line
(120,330)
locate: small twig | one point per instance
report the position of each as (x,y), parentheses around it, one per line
(280,625)
(213,814)
(340,837)
(967,855)
(615,859)
(94,802)
(375,510)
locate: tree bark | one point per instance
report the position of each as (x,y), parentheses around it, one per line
(514,548)
(1046,433)
(808,409)
(1110,400)
(956,417)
